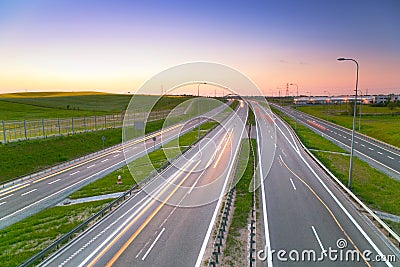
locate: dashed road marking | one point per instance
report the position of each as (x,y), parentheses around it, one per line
(28,192)
(55,181)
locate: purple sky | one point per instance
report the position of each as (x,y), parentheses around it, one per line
(116,45)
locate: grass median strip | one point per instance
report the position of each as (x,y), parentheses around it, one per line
(24,239)
(142,167)
(235,252)
(373,120)
(376,189)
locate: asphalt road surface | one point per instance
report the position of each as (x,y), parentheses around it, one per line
(385,156)
(35,194)
(303,211)
(169,221)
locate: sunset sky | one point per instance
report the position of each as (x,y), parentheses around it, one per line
(115,46)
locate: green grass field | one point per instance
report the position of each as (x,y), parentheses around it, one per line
(376,122)
(61,105)
(20,158)
(24,239)
(142,166)
(370,185)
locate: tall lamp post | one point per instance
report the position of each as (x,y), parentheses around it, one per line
(354,122)
(198,109)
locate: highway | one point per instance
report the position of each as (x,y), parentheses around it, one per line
(169,221)
(383,156)
(30,196)
(304,211)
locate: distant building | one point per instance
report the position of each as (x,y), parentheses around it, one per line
(319,100)
(394,98)
(380,99)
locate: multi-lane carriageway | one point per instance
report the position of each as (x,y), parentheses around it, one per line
(383,156)
(32,195)
(301,208)
(304,210)
(169,221)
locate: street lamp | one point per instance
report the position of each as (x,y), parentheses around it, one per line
(198,109)
(354,122)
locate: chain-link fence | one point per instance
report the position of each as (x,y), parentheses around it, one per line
(30,129)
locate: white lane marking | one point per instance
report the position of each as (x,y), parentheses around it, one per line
(370,148)
(74,173)
(3,203)
(83,180)
(380,153)
(91,166)
(217,207)
(147,200)
(55,181)
(264,204)
(366,236)
(115,155)
(152,245)
(317,237)
(363,145)
(195,183)
(33,190)
(390,157)
(134,213)
(369,240)
(104,160)
(6,196)
(294,187)
(145,245)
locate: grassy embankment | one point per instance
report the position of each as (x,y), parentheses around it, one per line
(376,122)
(377,190)
(23,239)
(19,158)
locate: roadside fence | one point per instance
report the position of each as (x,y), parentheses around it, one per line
(11,131)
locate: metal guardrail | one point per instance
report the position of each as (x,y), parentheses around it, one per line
(81,227)
(223,224)
(357,133)
(382,224)
(222,229)
(61,240)
(48,170)
(253,221)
